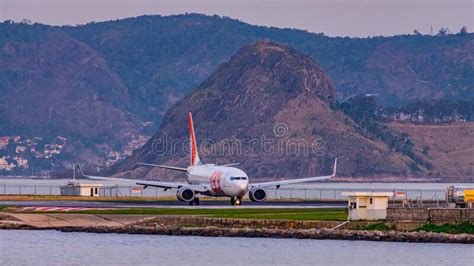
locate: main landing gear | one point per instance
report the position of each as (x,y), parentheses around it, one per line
(236,201)
(195,201)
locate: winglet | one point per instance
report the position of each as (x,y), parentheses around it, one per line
(335,167)
(80,169)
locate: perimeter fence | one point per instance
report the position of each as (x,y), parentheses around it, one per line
(272,193)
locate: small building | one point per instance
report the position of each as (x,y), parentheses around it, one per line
(460,196)
(368,205)
(80,189)
(469,198)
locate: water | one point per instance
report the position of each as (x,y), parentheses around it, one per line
(19,247)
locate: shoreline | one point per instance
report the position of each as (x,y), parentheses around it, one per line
(219,227)
(319,234)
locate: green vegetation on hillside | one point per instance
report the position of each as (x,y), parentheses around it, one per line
(371,119)
(365,111)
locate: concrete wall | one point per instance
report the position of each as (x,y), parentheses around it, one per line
(437,216)
(412,219)
(251,223)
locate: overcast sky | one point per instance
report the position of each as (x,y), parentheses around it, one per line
(332,17)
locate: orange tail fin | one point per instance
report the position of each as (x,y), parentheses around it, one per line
(194,152)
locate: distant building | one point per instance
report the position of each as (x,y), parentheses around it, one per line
(20,149)
(4,142)
(22,163)
(368,205)
(4,165)
(80,189)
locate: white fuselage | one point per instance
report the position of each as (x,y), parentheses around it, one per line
(223,180)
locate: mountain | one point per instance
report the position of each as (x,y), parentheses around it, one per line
(449,148)
(271,109)
(53,86)
(161,59)
(103,88)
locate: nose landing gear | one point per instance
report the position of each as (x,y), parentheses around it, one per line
(234,201)
(195,201)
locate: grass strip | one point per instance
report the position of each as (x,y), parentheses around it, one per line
(378,227)
(451,228)
(332,214)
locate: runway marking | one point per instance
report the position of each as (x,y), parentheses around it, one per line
(62,209)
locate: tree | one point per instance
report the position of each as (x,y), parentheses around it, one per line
(463,30)
(443,32)
(416,32)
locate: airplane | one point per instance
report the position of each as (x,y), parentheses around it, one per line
(212,180)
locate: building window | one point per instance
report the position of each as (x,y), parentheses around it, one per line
(97,192)
(370,201)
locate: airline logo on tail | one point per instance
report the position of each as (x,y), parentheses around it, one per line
(194,153)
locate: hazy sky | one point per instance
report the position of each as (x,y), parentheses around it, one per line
(333,17)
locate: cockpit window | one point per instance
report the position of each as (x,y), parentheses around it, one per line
(232,178)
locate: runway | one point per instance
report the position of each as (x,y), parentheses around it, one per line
(211,204)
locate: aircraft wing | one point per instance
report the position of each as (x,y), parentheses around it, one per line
(147,183)
(164,167)
(295,181)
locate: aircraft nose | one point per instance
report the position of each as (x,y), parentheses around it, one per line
(242,187)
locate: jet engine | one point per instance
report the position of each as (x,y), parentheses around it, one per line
(185,194)
(257,194)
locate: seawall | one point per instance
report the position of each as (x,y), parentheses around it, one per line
(412,218)
(218,227)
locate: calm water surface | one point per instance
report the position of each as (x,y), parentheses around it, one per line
(19,247)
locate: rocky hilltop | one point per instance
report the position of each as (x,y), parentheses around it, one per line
(271,109)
